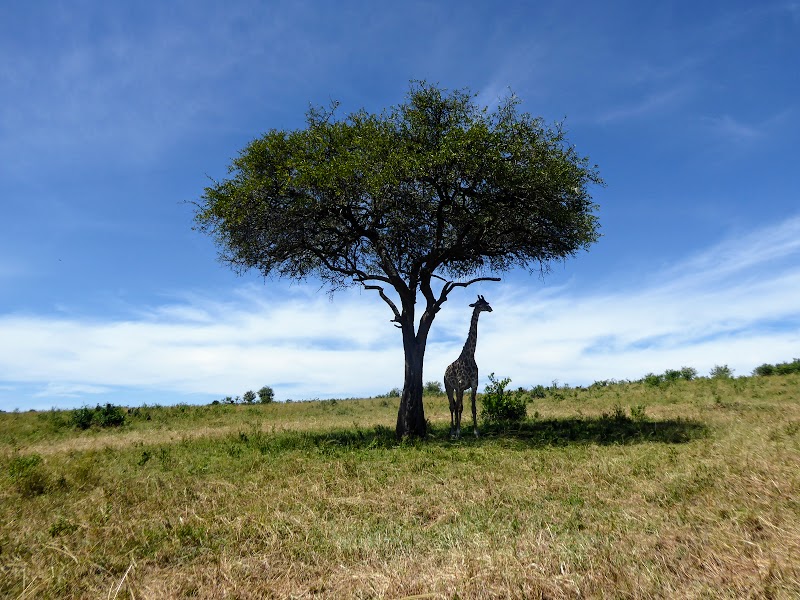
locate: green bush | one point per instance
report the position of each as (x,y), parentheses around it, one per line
(109,416)
(721,372)
(28,476)
(101,416)
(669,376)
(764,370)
(538,391)
(638,412)
(653,380)
(249,397)
(82,417)
(500,405)
(62,526)
(432,388)
(784,368)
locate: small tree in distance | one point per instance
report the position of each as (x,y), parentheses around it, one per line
(432,195)
(721,372)
(266,395)
(249,397)
(433,388)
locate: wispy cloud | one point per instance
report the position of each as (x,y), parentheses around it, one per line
(739,132)
(70,390)
(734,304)
(659,101)
(129,87)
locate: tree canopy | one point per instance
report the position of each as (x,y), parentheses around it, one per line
(432,194)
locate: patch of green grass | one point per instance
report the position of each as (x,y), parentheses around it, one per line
(694,496)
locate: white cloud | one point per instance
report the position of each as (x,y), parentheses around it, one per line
(735,131)
(129,89)
(735,304)
(655,102)
(70,390)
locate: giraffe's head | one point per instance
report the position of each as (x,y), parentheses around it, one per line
(481,305)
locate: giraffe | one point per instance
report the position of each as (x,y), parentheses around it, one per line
(463,373)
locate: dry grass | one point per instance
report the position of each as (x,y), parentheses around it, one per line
(697,498)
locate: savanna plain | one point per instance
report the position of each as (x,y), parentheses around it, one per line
(668,489)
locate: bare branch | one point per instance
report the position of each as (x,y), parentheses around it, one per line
(449,286)
(386,299)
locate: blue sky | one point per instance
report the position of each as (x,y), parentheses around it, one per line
(114,115)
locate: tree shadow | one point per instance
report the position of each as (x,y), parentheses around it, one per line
(539,433)
(601,431)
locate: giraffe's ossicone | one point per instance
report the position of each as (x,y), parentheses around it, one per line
(462,374)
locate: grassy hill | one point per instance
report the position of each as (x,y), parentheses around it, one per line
(680,489)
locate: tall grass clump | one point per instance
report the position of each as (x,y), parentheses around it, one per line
(28,475)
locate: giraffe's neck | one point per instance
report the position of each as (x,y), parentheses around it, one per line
(472,338)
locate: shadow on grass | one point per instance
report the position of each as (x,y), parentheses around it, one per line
(600,430)
(539,433)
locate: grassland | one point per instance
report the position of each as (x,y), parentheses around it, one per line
(683,490)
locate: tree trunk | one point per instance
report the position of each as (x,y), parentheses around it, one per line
(411,415)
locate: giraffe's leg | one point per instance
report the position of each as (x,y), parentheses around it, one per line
(449,389)
(474,391)
(459,410)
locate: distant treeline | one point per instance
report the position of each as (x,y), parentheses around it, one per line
(784,368)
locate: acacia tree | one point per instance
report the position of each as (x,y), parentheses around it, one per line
(427,196)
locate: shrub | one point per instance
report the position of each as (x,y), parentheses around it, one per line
(688,373)
(82,417)
(764,370)
(617,414)
(266,395)
(653,380)
(108,416)
(432,388)
(603,383)
(538,391)
(101,416)
(638,412)
(28,476)
(500,405)
(55,419)
(786,368)
(249,397)
(62,526)
(721,372)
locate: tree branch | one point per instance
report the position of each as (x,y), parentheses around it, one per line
(450,286)
(388,301)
